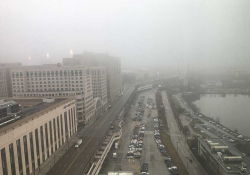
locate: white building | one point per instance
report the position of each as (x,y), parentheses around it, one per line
(111,64)
(3,83)
(54,81)
(99,84)
(34,137)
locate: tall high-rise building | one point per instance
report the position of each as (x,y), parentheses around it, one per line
(112,65)
(3,83)
(99,84)
(54,81)
(5,79)
(34,134)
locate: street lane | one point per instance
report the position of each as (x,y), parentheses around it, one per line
(75,160)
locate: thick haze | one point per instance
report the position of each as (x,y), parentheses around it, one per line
(142,33)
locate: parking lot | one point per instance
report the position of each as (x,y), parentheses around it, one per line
(137,149)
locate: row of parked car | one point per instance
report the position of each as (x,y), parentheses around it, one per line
(136,144)
(221,134)
(140,109)
(167,159)
(150,103)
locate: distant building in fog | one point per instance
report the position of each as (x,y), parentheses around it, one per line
(99,84)
(5,79)
(138,75)
(111,64)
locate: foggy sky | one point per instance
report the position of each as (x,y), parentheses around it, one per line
(142,33)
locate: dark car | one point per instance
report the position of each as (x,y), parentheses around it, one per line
(169,164)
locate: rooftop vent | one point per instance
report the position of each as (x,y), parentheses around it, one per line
(48,100)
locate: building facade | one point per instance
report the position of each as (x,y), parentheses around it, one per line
(221,158)
(3,83)
(28,142)
(111,64)
(99,84)
(53,81)
(7,78)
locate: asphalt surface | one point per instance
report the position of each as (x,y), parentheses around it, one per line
(179,143)
(150,153)
(74,161)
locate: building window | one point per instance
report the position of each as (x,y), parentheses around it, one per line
(26,154)
(51,139)
(4,161)
(54,125)
(32,151)
(62,128)
(19,156)
(58,131)
(66,125)
(42,143)
(69,123)
(74,119)
(47,139)
(37,147)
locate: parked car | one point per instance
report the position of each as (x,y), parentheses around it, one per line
(144,168)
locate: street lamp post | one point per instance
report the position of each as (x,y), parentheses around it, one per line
(177,146)
(187,161)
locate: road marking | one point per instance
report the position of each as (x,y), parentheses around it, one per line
(59,165)
(109,114)
(77,156)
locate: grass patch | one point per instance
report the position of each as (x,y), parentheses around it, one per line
(165,138)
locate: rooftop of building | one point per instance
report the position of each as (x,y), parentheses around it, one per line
(49,66)
(4,104)
(31,108)
(120,173)
(229,167)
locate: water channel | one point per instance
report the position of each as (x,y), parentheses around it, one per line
(233,111)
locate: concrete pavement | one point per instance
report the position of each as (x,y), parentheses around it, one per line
(179,141)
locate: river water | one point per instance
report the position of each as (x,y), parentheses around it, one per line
(232,110)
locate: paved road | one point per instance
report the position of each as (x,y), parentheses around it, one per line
(194,168)
(75,160)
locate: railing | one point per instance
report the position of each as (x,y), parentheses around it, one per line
(96,167)
(101,160)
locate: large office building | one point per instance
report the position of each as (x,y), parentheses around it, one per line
(3,83)
(54,81)
(5,78)
(111,64)
(33,132)
(222,158)
(99,84)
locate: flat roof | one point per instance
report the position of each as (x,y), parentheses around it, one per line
(4,104)
(32,107)
(232,151)
(120,173)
